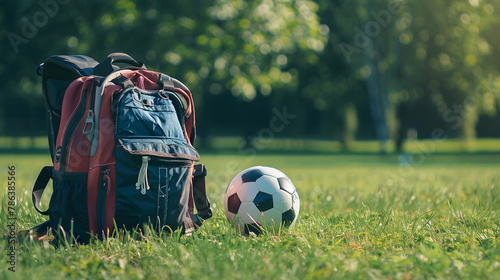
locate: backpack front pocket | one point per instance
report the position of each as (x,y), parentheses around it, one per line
(154,162)
(156,182)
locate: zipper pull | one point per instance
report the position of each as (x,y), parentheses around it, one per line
(142,180)
(90,120)
(105,178)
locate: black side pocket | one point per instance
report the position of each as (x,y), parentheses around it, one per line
(68,206)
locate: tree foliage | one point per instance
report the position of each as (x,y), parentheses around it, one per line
(352,69)
(422,67)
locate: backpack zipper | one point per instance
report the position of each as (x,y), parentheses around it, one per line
(101,199)
(142,180)
(70,129)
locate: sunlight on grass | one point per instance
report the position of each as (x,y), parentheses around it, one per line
(361,217)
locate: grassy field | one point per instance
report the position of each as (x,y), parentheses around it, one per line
(286,145)
(362,216)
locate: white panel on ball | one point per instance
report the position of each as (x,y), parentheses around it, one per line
(247,191)
(248,213)
(233,186)
(268,184)
(272,218)
(230,216)
(282,201)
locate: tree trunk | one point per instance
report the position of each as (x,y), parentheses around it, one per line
(378,99)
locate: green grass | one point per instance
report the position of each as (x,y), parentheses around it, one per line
(362,216)
(290,145)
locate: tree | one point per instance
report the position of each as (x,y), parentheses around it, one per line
(421,67)
(242,47)
(448,61)
(367,39)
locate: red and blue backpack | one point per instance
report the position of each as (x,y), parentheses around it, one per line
(121,141)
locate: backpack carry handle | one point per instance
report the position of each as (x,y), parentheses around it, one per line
(106,66)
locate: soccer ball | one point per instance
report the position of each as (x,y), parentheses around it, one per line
(259,196)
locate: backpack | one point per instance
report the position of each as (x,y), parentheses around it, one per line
(121,142)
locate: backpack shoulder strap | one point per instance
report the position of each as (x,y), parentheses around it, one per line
(40,185)
(39,232)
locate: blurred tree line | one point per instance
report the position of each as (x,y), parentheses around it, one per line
(347,69)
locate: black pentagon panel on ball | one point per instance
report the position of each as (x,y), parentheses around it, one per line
(251,175)
(255,228)
(288,217)
(286,185)
(233,203)
(263,201)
